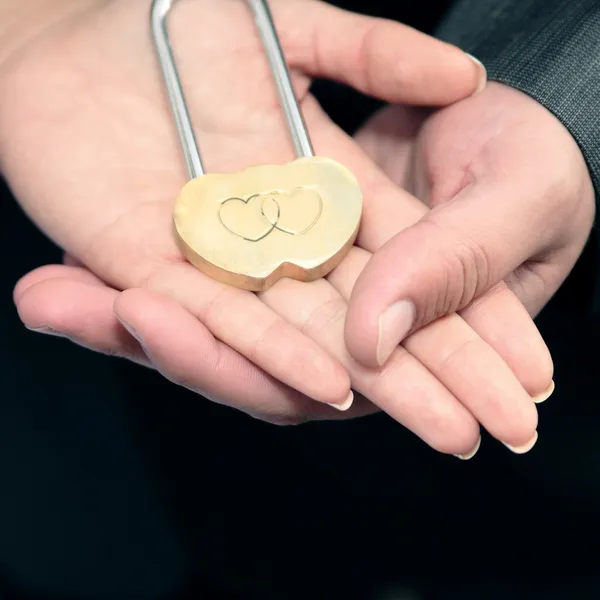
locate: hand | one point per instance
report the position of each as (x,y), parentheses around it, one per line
(512,201)
(87,94)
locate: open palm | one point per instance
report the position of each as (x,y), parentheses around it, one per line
(89,148)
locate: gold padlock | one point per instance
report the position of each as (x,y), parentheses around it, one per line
(250,229)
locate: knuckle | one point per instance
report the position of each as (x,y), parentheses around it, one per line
(325,316)
(273,330)
(365,53)
(463,271)
(374,39)
(218,308)
(480,305)
(461,354)
(458,271)
(472,267)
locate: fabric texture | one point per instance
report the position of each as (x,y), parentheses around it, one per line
(549,49)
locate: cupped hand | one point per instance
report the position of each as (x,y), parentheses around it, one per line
(512,205)
(88,146)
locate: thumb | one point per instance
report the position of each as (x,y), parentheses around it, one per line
(456,252)
(378,57)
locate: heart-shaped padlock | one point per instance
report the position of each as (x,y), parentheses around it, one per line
(302,228)
(252,228)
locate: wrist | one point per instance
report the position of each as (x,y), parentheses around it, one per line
(22,20)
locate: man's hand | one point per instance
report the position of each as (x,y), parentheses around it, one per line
(512,201)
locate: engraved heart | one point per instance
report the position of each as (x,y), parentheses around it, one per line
(304,215)
(246,218)
(298,210)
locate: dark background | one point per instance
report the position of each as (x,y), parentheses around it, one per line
(115,484)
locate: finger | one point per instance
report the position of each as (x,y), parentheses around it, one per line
(387,210)
(385,205)
(404,388)
(437,266)
(503,322)
(535,282)
(466,365)
(54,272)
(240,320)
(73,303)
(378,57)
(72,307)
(497,316)
(186,353)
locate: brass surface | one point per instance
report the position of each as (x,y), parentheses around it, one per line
(250,229)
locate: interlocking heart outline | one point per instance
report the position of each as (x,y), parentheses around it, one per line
(273,214)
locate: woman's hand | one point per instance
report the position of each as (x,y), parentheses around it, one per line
(88,146)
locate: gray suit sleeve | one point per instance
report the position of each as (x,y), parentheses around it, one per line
(549,49)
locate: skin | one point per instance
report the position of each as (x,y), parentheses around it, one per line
(512,209)
(86,93)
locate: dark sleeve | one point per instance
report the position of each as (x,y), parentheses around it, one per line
(549,49)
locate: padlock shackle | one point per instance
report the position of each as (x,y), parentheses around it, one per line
(266,28)
(281,75)
(183,122)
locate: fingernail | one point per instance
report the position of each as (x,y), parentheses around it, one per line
(544,395)
(482,74)
(394,325)
(525,447)
(132,331)
(472,453)
(346,404)
(46,331)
